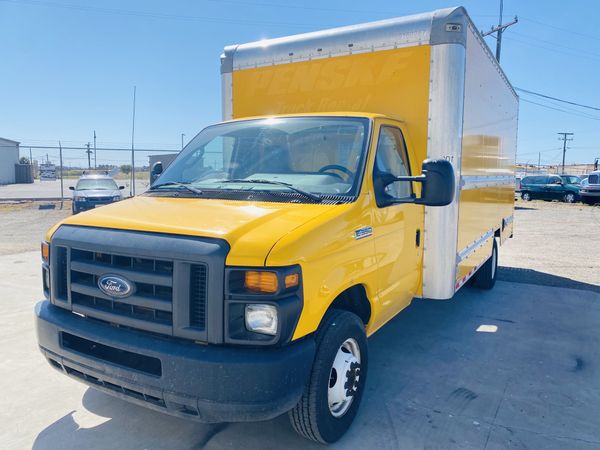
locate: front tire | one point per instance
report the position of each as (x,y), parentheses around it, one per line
(526,196)
(485,277)
(331,399)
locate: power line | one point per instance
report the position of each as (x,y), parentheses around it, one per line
(565,30)
(561,110)
(595,108)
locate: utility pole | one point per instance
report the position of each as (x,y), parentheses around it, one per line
(564,138)
(182,135)
(539,160)
(95,160)
(499,29)
(62,192)
(132,187)
(89,152)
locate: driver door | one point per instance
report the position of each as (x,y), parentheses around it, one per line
(398,228)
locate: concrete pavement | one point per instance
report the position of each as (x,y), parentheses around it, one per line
(434,380)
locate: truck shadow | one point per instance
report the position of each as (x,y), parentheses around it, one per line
(530,276)
(434,381)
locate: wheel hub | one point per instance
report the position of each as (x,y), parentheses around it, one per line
(344,378)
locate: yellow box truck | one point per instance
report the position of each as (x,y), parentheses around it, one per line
(356,169)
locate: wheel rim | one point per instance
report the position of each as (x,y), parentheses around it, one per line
(493,262)
(569,198)
(526,197)
(344,378)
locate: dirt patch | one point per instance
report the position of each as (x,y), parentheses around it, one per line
(25,223)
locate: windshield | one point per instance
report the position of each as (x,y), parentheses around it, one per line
(310,155)
(571,179)
(96,184)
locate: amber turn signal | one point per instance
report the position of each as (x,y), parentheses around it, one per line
(265,282)
(45,252)
(291,280)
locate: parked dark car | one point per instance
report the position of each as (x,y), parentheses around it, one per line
(94,190)
(551,187)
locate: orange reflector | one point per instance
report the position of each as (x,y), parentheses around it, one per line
(261,282)
(45,252)
(291,280)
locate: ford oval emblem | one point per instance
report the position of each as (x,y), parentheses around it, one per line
(115,286)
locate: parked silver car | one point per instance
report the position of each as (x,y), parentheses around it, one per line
(94,190)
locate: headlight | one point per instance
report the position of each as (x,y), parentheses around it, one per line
(261,319)
(262,305)
(116,198)
(45,252)
(78,198)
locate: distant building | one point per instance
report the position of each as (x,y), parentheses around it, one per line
(9,156)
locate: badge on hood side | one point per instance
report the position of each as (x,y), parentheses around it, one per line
(115,286)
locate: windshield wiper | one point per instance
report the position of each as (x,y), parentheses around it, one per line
(177,184)
(309,195)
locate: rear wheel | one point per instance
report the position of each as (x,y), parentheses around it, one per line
(526,196)
(485,277)
(570,197)
(332,397)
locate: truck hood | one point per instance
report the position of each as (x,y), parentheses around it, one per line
(250,228)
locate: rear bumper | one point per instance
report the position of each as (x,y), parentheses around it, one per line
(207,383)
(586,193)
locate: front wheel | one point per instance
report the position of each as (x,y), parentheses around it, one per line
(526,196)
(485,277)
(332,397)
(570,197)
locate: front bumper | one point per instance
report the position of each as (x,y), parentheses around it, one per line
(84,206)
(208,383)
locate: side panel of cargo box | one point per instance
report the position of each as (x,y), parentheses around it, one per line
(488,157)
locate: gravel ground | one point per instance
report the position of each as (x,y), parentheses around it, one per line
(24,224)
(556,244)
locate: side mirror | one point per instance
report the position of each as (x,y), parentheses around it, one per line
(438,185)
(157,169)
(72,188)
(121,188)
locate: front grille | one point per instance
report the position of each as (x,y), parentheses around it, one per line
(176,281)
(594,179)
(198,296)
(99,199)
(150,307)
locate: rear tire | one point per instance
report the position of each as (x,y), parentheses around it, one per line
(570,197)
(331,399)
(526,196)
(485,277)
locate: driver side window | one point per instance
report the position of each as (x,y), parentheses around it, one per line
(392,158)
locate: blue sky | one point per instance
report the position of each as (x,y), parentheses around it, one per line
(68,67)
